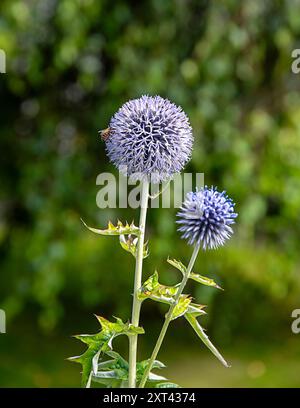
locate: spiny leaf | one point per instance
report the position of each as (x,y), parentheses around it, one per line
(196,310)
(167,385)
(100,343)
(177,264)
(119,326)
(204,280)
(155,377)
(152,289)
(182,306)
(119,229)
(156,291)
(130,245)
(111,379)
(86,361)
(185,305)
(142,365)
(195,276)
(121,362)
(201,334)
(114,373)
(105,364)
(106,374)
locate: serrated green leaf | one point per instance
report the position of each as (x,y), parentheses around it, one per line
(195,309)
(201,334)
(185,305)
(150,284)
(130,245)
(194,276)
(106,374)
(119,229)
(204,280)
(182,306)
(167,385)
(142,365)
(156,291)
(114,372)
(101,343)
(104,365)
(118,359)
(155,377)
(158,364)
(153,290)
(85,360)
(177,264)
(109,381)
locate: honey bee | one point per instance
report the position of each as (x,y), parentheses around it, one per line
(105,134)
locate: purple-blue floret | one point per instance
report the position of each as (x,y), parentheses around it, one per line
(205,218)
(151,138)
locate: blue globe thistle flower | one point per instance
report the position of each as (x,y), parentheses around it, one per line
(205,218)
(150,138)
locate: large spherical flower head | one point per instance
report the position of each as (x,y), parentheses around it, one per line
(150,138)
(205,218)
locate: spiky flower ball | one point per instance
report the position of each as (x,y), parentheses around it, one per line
(150,138)
(206,217)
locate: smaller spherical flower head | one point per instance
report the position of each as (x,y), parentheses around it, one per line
(150,138)
(205,218)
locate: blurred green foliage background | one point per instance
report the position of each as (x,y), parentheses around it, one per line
(70,65)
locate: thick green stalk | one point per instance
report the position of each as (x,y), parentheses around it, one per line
(168,317)
(136,306)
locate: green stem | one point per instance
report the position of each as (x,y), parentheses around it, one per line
(168,317)
(136,306)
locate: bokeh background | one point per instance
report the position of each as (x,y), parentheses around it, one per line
(70,65)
